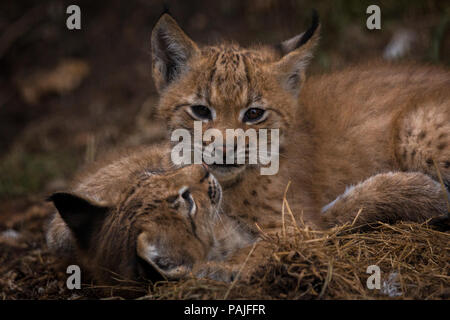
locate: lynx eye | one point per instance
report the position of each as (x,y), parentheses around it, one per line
(187,196)
(253,115)
(201,112)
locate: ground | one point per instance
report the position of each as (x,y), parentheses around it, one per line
(66,96)
(413,260)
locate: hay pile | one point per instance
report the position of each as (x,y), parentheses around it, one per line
(414,260)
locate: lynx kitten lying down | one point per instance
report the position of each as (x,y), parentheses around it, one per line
(135,215)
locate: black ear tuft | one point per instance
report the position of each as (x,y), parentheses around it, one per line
(82,216)
(301,39)
(309,33)
(166,10)
(296,53)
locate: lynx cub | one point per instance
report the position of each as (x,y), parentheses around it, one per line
(135,215)
(365,138)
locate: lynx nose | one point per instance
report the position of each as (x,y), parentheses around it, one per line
(231,150)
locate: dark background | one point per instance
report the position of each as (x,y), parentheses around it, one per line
(47,131)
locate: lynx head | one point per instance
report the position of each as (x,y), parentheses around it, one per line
(163,224)
(226,86)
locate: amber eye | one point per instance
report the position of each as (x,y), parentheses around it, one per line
(201,112)
(253,115)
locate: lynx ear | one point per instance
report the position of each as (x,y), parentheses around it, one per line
(82,216)
(171,50)
(297,52)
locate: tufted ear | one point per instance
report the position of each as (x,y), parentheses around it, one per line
(160,259)
(296,53)
(171,50)
(82,216)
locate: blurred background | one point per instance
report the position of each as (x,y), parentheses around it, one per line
(67,94)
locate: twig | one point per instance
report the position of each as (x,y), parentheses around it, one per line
(356,218)
(282,210)
(327,279)
(292,215)
(239,272)
(444,190)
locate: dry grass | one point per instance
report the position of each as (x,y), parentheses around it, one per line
(413,258)
(304,264)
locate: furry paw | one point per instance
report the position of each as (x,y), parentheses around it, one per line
(216,272)
(441,223)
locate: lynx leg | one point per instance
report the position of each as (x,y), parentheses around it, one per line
(241,264)
(388,197)
(423,141)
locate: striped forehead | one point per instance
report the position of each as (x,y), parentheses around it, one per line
(229,79)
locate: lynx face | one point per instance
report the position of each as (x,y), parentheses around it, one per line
(164,224)
(228,87)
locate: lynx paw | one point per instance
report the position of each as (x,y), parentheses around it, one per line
(441,223)
(216,271)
